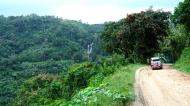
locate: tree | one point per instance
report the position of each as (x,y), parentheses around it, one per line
(174,43)
(181,14)
(109,35)
(136,36)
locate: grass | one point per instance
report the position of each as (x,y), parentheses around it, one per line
(183,64)
(116,89)
(122,81)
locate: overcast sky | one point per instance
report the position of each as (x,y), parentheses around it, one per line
(89,11)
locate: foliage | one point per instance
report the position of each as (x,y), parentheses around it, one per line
(39,90)
(179,36)
(81,75)
(115,90)
(77,78)
(32,45)
(181,14)
(137,36)
(175,42)
(79,86)
(105,67)
(183,63)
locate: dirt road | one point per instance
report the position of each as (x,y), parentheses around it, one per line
(166,87)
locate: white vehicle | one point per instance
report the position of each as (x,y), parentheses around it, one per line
(156,63)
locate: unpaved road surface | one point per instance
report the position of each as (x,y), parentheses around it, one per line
(166,87)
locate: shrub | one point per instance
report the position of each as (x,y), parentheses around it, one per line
(77,77)
(39,90)
(183,63)
(115,90)
(79,85)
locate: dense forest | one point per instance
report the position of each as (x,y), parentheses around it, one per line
(44,60)
(32,45)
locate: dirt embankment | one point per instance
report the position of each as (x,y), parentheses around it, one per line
(166,87)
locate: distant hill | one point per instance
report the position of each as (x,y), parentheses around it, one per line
(32,45)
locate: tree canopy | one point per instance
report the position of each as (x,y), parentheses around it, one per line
(182,13)
(137,36)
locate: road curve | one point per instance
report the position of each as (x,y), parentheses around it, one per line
(166,87)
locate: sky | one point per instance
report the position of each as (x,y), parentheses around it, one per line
(87,11)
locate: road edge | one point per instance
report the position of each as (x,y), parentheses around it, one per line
(139,99)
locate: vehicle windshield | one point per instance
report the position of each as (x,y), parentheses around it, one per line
(156,60)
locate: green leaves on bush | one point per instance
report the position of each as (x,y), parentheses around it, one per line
(41,89)
(77,77)
(183,63)
(87,83)
(115,90)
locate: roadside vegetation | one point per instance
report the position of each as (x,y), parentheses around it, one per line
(183,64)
(116,89)
(108,82)
(181,39)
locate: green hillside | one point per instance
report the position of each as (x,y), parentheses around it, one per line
(32,45)
(183,63)
(107,82)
